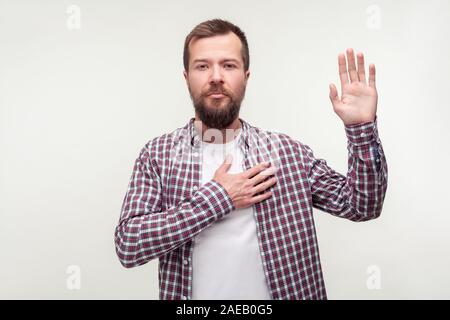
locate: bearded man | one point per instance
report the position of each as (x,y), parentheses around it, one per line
(227,207)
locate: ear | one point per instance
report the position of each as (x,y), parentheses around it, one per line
(185,74)
(247,75)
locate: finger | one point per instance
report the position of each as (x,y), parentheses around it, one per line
(255,170)
(263,175)
(226,165)
(361,70)
(372,75)
(343,74)
(263,186)
(334,94)
(260,197)
(352,66)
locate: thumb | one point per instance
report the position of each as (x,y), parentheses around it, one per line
(226,165)
(333,95)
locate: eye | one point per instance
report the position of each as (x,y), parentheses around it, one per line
(230,66)
(201,66)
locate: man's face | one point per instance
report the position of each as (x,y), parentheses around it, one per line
(216,79)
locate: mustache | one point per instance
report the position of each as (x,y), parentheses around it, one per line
(217,91)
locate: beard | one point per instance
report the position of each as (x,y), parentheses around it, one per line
(218,113)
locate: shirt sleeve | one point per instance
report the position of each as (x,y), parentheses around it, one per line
(145,232)
(359,195)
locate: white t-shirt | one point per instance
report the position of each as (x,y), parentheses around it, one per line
(226,259)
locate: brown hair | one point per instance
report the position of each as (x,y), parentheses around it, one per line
(215,27)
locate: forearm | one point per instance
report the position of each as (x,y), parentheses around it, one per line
(367,171)
(142,237)
(359,195)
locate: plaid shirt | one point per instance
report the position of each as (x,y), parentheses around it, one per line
(166,205)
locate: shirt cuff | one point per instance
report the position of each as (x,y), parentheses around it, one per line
(362,133)
(216,198)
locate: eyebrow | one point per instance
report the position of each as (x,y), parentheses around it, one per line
(223,60)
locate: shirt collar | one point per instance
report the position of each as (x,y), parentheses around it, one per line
(243,142)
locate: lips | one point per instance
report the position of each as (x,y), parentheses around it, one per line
(216,95)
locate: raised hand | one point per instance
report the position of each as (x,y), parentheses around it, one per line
(358,102)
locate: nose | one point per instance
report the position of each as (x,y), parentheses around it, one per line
(216,76)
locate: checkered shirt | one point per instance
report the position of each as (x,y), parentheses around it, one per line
(166,205)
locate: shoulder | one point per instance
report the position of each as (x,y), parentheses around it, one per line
(161,146)
(280,139)
(284,145)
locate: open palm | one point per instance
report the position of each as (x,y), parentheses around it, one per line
(358,102)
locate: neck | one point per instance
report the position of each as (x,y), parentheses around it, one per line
(227,134)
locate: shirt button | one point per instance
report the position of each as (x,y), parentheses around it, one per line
(196,154)
(186,262)
(195,188)
(362,134)
(183,298)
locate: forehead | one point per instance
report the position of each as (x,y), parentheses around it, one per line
(228,45)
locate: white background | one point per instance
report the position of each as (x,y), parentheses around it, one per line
(77,106)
